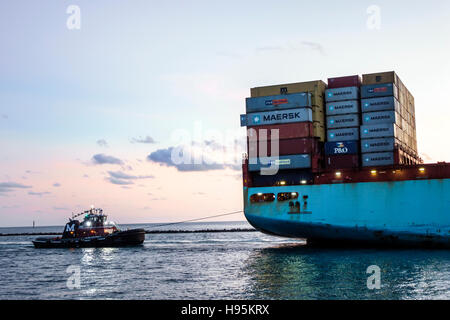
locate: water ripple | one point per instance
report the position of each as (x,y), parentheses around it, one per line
(247,265)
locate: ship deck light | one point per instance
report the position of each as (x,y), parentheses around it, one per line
(422,170)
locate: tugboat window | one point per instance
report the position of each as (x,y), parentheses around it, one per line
(285,196)
(262,197)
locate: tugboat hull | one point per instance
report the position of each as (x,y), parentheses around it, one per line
(118,239)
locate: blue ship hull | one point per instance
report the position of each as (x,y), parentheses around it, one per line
(404,213)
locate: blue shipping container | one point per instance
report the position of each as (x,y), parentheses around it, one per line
(380,104)
(341,147)
(383,130)
(298,161)
(342,107)
(277,117)
(342,94)
(279,102)
(382,117)
(378,159)
(379,90)
(346,134)
(343,121)
(378,145)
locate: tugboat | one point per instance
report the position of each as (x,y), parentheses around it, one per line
(94,231)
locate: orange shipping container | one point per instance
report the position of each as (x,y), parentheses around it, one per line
(381,77)
(316,88)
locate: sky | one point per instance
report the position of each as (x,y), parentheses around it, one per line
(93,104)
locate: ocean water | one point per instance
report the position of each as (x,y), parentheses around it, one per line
(235,265)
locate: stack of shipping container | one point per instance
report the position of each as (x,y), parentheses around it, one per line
(388,133)
(348,124)
(343,122)
(293,113)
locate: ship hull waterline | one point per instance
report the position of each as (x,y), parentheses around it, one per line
(411,213)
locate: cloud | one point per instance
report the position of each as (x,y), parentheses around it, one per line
(56,184)
(147,139)
(119,181)
(158,199)
(60,208)
(11,186)
(122,175)
(102,143)
(164,157)
(39,194)
(214,145)
(32,172)
(314,46)
(235,167)
(426,156)
(121,178)
(105,159)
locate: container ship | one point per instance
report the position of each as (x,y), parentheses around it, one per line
(337,163)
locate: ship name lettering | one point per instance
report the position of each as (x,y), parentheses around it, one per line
(345,120)
(380,103)
(379,144)
(379,129)
(344,106)
(284,116)
(342,93)
(381,117)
